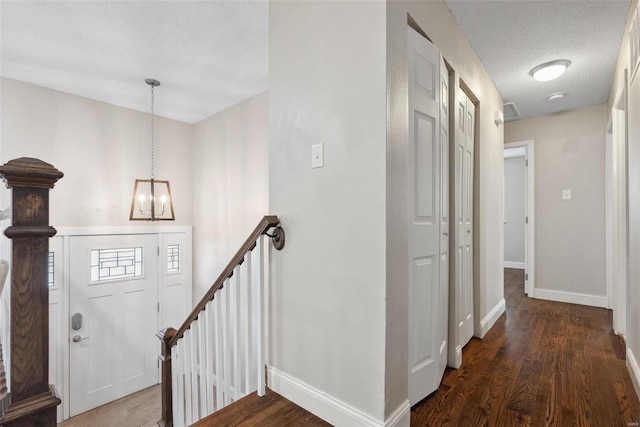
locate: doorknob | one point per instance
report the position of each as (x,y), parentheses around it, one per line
(445,234)
(78,338)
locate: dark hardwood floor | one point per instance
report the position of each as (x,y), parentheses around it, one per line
(272,410)
(542,364)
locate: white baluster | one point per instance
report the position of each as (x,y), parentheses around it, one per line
(177,386)
(185,351)
(202,366)
(219,354)
(246,316)
(261,386)
(225,343)
(194,371)
(237,361)
(208,315)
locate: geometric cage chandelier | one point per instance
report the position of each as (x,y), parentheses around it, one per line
(151,199)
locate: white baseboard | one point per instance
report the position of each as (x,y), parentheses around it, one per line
(634,370)
(571,297)
(515,264)
(492,317)
(329,408)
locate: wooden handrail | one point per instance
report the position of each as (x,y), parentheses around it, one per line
(267,222)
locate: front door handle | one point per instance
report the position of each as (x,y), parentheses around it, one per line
(78,338)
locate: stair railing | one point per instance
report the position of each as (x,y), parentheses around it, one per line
(217,355)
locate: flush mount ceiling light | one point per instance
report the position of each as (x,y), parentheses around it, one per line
(151,199)
(550,70)
(556,96)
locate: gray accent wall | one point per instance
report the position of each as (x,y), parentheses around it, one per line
(569,234)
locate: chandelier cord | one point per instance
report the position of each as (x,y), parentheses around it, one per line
(152,136)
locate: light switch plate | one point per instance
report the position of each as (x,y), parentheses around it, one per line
(317,156)
(566,194)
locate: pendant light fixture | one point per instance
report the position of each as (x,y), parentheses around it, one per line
(151,199)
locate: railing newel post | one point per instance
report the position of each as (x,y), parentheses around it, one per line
(33,399)
(165,336)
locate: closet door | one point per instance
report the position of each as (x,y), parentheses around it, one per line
(427,226)
(463,206)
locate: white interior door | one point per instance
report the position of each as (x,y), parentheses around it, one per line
(443,327)
(465,142)
(114,288)
(427,328)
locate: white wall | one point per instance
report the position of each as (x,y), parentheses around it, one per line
(343,274)
(100,148)
(327,85)
(633,137)
(230,185)
(435,19)
(569,234)
(514,196)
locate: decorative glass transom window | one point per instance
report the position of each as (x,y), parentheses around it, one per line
(50,271)
(111,264)
(173,258)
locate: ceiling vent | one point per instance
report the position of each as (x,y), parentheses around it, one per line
(511,113)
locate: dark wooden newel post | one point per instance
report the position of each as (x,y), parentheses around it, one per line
(165,336)
(33,400)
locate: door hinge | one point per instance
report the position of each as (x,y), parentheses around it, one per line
(526,276)
(158,250)
(526,220)
(158,307)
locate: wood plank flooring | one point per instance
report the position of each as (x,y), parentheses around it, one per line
(543,364)
(272,410)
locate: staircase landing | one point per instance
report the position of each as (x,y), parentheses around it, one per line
(272,410)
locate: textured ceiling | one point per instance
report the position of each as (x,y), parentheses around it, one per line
(512,37)
(208,55)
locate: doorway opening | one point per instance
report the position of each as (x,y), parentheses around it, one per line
(518,210)
(617,214)
(119,284)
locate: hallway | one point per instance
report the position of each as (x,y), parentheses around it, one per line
(543,363)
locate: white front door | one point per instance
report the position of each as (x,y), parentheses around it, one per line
(464,219)
(114,318)
(428,243)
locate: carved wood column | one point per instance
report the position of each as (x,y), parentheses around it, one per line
(33,400)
